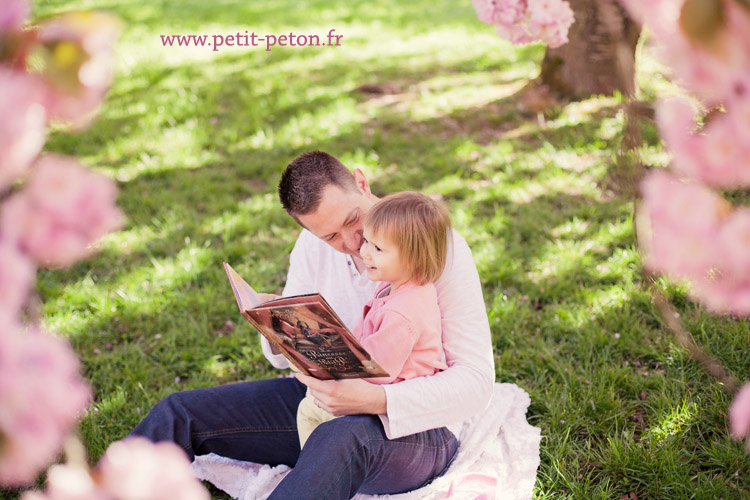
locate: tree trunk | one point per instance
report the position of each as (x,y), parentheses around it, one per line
(600,56)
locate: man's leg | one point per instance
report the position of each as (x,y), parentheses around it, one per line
(251,421)
(351,454)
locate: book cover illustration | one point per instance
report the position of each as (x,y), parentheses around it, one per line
(307,331)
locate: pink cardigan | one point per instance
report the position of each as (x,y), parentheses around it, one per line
(402,331)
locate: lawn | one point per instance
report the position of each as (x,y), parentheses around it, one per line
(197,138)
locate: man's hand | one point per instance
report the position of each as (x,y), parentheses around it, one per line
(346,397)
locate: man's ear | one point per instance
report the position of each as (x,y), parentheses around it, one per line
(361,180)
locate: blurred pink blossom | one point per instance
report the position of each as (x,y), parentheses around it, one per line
(78,62)
(13,14)
(23,124)
(500,11)
(136,469)
(546,11)
(69,482)
(526,21)
(734,245)
(679,227)
(41,398)
(719,153)
(710,70)
(739,413)
(690,233)
(63,209)
(514,33)
(17,274)
(132,469)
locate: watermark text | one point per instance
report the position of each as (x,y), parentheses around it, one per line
(251,39)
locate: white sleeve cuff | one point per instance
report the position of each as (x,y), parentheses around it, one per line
(277,360)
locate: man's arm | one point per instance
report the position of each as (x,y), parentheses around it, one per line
(466,387)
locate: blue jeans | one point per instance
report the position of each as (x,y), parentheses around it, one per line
(256,422)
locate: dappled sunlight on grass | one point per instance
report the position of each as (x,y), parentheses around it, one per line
(136,238)
(147,290)
(220,368)
(426,100)
(113,402)
(604,300)
(673,423)
(231,224)
(338,118)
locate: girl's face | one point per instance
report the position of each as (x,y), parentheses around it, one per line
(382,260)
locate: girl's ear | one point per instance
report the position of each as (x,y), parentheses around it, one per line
(361,180)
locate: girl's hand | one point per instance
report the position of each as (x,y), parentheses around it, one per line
(346,397)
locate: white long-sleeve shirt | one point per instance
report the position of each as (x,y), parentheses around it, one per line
(445,399)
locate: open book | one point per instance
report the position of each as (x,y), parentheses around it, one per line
(306,330)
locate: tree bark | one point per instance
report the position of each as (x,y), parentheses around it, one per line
(600,56)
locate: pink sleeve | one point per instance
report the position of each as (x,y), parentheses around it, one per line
(465,388)
(390,344)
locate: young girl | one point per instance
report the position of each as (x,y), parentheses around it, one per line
(406,245)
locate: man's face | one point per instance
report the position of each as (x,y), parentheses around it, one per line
(338,219)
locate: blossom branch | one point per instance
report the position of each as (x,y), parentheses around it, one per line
(711,365)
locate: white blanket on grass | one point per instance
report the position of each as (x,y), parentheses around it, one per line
(497,458)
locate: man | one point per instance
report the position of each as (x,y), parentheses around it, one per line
(393,438)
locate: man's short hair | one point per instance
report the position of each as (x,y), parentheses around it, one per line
(304,179)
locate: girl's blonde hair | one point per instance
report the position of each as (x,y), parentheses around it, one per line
(419,227)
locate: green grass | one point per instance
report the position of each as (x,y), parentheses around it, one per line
(197,139)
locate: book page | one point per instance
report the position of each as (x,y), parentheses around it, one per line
(320,341)
(246,297)
(307,331)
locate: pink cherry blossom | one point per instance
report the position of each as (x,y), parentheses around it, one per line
(17,274)
(132,469)
(509,11)
(675,119)
(553,32)
(526,21)
(500,11)
(22,129)
(738,107)
(546,11)
(683,220)
(136,469)
(708,70)
(687,206)
(718,153)
(690,233)
(75,93)
(69,482)
(13,14)
(723,158)
(61,212)
(739,413)
(485,10)
(41,398)
(734,245)
(515,34)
